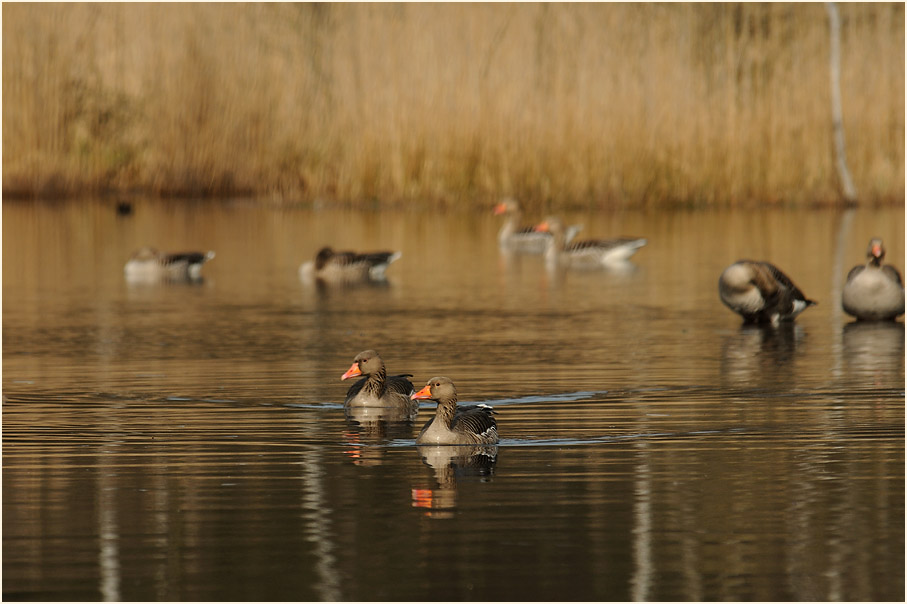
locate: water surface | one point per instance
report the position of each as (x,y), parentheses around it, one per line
(188,441)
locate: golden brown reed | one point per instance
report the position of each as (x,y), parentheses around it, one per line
(604,104)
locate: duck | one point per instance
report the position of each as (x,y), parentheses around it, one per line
(149,264)
(347,267)
(452,425)
(608,252)
(874,291)
(376,388)
(515,237)
(761,293)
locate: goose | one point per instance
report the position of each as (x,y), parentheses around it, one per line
(590,251)
(149,264)
(376,388)
(874,291)
(516,237)
(761,293)
(468,425)
(347,267)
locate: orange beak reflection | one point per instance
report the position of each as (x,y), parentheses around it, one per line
(424,393)
(542,228)
(353,371)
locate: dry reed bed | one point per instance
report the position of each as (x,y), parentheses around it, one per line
(610,104)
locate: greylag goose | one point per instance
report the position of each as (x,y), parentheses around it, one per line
(874,291)
(148,264)
(590,251)
(469,425)
(347,267)
(376,388)
(516,237)
(761,293)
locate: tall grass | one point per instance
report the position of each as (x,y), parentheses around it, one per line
(611,104)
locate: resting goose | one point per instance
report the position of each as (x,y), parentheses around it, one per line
(589,251)
(874,291)
(761,293)
(347,267)
(376,388)
(148,264)
(516,237)
(469,425)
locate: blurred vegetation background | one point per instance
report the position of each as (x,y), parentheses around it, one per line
(572,104)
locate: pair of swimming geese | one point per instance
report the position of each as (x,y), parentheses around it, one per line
(451,425)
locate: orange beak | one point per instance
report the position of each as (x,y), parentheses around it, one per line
(353,371)
(424,393)
(500,209)
(542,228)
(876,250)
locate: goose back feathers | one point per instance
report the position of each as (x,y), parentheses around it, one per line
(761,293)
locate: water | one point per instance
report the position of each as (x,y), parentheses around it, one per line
(188,442)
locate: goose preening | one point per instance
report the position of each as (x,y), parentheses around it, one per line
(347,267)
(452,425)
(149,264)
(376,388)
(761,293)
(606,252)
(524,238)
(874,291)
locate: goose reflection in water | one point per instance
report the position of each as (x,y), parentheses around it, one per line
(874,349)
(755,354)
(450,464)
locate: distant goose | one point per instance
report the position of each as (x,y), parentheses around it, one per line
(377,389)
(761,293)
(516,237)
(148,264)
(469,425)
(874,291)
(347,267)
(589,251)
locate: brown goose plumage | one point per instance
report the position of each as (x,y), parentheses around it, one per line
(376,388)
(874,291)
(347,267)
(452,425)
(590,251)
(761,293)
(524,238)
(149,264)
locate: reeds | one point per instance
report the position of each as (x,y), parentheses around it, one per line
(605,104)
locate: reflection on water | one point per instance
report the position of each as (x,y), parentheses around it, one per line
(451,463)
(760,354)
(189,441)
(875,349)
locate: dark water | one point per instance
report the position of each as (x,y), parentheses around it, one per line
(188,442)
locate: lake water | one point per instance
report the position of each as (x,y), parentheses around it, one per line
(188,441)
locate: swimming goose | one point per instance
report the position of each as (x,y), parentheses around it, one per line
(148,264)
(347,267)
(874,291)
(526,239)
(376,388)
(469,425)
(590,251)
(761,293)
